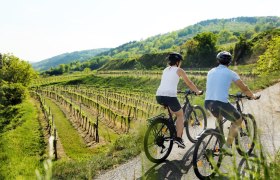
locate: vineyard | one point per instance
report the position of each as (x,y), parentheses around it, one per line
(99,114)
(103,114)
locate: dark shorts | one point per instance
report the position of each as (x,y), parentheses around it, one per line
(171,102)
(226,110)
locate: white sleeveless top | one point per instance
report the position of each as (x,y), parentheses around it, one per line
(169,82)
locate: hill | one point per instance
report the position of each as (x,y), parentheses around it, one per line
(170,40)
(146,53)
(245,51)
(67,58)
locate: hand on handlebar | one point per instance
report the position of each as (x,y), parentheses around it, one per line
(255,97)
(199,93)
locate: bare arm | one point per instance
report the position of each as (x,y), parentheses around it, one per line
(244,88)
(188,82)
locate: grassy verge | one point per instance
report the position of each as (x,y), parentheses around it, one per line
(22,146)
(73,144)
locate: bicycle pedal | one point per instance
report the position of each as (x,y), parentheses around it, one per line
(181,147)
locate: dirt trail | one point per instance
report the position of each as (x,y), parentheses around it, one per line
(266,110)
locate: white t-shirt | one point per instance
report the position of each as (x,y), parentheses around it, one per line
(218,83)
(169,82)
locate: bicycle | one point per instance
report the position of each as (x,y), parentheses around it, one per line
(158,140)
(208,151)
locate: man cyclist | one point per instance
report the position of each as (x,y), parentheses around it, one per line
(167,91)
(216,100)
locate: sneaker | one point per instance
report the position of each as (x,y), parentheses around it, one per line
(180,142)
(227,150)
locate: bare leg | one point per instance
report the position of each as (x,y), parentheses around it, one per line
(179,122)
(233,131)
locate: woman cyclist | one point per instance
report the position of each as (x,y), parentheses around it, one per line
(167,91)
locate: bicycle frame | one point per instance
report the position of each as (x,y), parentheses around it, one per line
(222,122)
(187,106)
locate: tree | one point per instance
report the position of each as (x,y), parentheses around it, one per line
(226,37)
(61,68)
(15,76)
(67,68)
(269,62)
(202,50)
(86,70)
(14,70)
(242,50)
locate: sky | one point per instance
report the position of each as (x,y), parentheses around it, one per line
(35,30)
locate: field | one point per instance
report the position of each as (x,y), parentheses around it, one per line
(97,120)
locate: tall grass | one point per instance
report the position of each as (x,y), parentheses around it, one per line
(258,165)
(22,145)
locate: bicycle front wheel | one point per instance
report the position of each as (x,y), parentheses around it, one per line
(247,135)
(207,155)
(158,141)
(195,123)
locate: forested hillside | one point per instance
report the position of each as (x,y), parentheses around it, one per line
(200,52)
(67,58)
(245,37)
(228,29)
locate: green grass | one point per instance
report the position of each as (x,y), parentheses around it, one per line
(73,144)
(22,148)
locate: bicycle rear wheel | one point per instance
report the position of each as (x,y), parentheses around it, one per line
(158,141)
(207,155)
(247,135)
(195,123)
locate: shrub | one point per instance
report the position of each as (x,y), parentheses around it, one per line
(12,93)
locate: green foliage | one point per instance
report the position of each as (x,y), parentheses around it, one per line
(226,36)
(12,93)
(248,51)
(202,51)
(14,70)
(92,64)
(242,50)
(21,145)
(67,58)
(269,62)
(15,76)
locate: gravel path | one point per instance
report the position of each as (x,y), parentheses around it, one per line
(266,110)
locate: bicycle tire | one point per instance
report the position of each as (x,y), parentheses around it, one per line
(195,122)
(249,167)
(248,130)
(207,154)
(158,140)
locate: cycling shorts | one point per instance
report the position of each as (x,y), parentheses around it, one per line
(171,102)
(218,108)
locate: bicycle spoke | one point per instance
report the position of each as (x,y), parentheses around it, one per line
(246,136)
(207,155)
(195,123)
(158,142)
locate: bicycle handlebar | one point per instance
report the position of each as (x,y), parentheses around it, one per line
(240,96)
(188,92)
